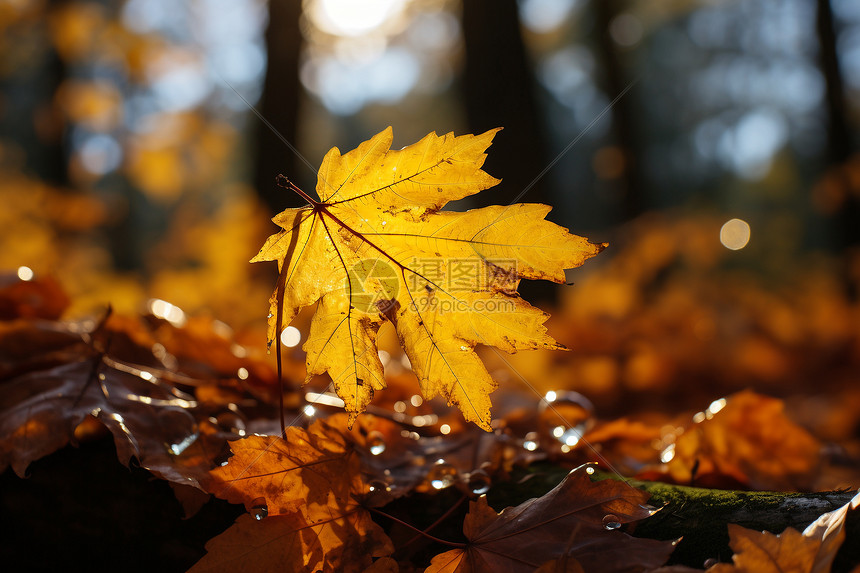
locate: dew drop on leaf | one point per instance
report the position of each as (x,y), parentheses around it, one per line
(375,442)
(565,417)
(611,522)
(259,509)
(178,428)
(229,421)
(378,486)
(479,482)
(442,475)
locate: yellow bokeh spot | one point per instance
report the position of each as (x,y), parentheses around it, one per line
(735,234)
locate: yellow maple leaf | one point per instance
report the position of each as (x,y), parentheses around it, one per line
(375,247)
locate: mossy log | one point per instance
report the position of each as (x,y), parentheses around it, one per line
(699,517)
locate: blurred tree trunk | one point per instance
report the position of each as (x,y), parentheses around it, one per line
(29,115)
(839,142)
(498,91)
(279,105)
(630,183)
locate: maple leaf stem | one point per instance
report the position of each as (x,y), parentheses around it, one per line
(282,285)
(282,181)
(415,529)
(318,206)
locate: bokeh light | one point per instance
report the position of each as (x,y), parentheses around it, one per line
(291,336)
(25,273)
(735,234)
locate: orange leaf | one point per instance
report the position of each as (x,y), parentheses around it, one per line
(310,483)
(748,438)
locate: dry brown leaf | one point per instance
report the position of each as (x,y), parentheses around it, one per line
(578,518)
(57,374)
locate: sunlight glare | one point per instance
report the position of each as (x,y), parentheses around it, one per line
(353,17)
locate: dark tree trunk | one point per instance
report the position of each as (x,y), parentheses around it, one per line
(839,142)
(279,106)
(623,132)
(498,90)
(29,115)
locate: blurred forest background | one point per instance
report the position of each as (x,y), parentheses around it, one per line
(712,143)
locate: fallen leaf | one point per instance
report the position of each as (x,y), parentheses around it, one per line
(829,531)
(42,297)
(578,518)
(397,463)
(251,545)
(746,438)
(311,481)
(375,248)
(764,552)
(60,375)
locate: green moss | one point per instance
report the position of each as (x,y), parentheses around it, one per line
(698,516)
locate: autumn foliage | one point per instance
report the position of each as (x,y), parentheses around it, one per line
(196,404)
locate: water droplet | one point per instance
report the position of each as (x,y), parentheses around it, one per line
(589,470)
(259,509)
(229,420)
(375,443)
(611,522)
(571,436)
(531,442)
(376,486)
(566,416)
(442,475)
(178,429)
(479,482)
